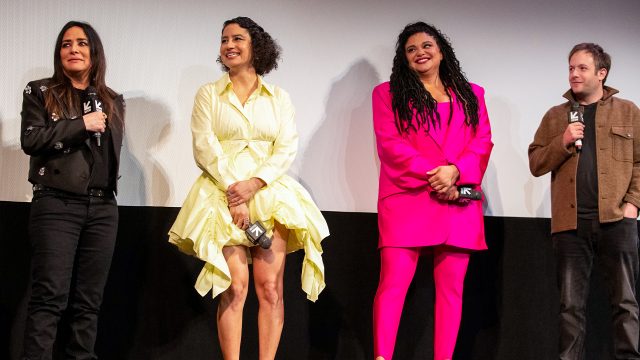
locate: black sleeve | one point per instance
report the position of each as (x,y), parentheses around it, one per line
(43,133)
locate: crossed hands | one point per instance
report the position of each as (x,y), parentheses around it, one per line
(238,194)
(443,180)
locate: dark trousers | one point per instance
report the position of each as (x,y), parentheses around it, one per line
(72,241)
(613,248)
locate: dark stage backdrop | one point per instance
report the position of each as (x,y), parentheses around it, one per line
(151,310)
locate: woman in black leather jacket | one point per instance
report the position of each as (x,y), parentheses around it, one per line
(72,128)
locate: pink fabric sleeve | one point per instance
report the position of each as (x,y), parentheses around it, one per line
(473,160)
(285,146)
(402,162)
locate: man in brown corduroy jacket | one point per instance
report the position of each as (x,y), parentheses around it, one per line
(595,196)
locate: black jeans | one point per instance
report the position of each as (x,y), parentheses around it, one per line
(613,248)
(72,240)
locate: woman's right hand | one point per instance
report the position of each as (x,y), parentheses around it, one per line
(95,121)
(242,191)
(240,215)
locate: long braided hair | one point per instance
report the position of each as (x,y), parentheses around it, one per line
(409,95)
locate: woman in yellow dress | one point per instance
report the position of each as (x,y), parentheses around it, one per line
(244,140)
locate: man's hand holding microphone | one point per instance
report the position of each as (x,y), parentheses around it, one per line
(574,133)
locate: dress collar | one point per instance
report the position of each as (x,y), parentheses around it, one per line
(224,83)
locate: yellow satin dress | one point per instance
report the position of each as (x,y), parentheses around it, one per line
(232,142)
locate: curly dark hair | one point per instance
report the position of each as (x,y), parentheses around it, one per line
(265,50)
(409,95)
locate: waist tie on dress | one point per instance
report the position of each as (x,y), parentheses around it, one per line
(259,149)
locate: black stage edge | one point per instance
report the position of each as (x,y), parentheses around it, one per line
(151,310)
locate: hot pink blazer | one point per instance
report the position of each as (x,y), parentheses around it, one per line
(408,215)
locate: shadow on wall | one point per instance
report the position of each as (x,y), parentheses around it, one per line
(491,189)
(15,168)
(340,162)
(192,78)
(533,186)
(143,180)
(13,161)
(505,120)
(500,117)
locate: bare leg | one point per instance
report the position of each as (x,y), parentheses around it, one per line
(232,302)
(268,272)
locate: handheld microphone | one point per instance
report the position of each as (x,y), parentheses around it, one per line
(467,192)
(258,235)
(576,114)
(94,105)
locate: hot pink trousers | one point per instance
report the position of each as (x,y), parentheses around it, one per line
(398,266)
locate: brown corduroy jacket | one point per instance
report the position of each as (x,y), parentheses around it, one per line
(617,157)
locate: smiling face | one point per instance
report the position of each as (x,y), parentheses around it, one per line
(585,80)
(75,53)
(423,53)
(235,47)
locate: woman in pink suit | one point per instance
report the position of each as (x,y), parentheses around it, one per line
(433,136)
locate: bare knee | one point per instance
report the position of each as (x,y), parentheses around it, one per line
(234,296)
(270,294)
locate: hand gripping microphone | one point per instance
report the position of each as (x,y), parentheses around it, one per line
(576,114)
(258,235)
(467,192)
(94,105)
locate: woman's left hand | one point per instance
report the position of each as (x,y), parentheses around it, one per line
(443,178)
(451,195)
(240,216)
(242,191)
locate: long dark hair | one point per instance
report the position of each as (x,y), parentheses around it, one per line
(409,95)
(265,50)
(61,84)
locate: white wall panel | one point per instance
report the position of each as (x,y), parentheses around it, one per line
(335,52)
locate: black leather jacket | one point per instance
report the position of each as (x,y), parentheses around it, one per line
(59,143)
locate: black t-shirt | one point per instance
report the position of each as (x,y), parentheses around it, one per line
(587,174)
(103,173)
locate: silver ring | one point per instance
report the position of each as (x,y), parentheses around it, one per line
(246,221)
